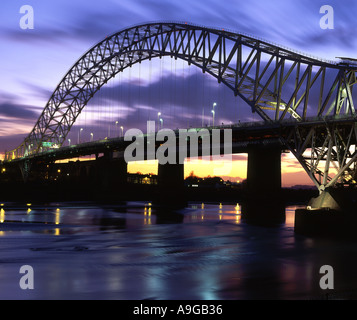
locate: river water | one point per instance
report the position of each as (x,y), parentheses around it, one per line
(128,251)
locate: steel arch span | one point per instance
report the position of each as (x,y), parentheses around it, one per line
(275,82)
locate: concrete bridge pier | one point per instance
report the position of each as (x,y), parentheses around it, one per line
(264,171)
(263,203)
(111,173)
(171,187)
(331,214)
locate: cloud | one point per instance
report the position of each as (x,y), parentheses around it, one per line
(18,111)
(37,90)
(9,142)
(290,179)
(60,22)
(288,22)
(239,157)
(178,97)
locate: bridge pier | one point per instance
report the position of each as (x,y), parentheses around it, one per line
(263,203)
(326,199)
(264,171)
(331,214)
(171,185)
(111,173)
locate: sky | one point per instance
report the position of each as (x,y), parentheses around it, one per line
(33,61)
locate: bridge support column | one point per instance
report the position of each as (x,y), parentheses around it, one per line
(112,175)
(263,203)
(331,214)
(171,185)
(264,171)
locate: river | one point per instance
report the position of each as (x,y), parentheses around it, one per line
(129,251)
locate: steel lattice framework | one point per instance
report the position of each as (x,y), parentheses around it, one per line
(277,83)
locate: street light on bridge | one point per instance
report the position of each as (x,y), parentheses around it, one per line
(116,126)
(122,130)
(91,136)
(158,117)
(213,113)
(69,142)
(79,135)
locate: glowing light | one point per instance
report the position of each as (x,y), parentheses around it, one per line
(57,216)
(237,219)
(2,215)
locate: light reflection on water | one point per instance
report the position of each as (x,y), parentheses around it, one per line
(84,216)
(134,251)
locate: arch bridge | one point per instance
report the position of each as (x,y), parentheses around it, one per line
(308,102)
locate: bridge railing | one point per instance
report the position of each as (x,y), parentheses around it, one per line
(20,154)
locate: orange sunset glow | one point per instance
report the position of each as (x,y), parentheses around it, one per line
(292,173)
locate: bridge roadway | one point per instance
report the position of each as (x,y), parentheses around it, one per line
(245,136)
(242,138)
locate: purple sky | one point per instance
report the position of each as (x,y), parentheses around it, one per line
(34,61)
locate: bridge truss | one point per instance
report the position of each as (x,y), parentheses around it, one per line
(277,83)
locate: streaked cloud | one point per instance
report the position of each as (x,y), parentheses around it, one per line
(17,111)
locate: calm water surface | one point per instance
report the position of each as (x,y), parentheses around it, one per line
(138,251)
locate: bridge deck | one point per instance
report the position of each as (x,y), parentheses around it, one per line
(243,136)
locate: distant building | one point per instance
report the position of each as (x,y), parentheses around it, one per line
(138,178)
